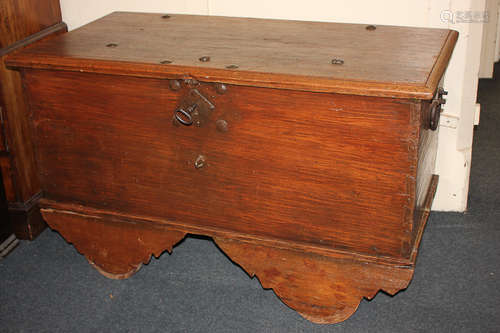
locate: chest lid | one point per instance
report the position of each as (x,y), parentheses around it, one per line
(355,59)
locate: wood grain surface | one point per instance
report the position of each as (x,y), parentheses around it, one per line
(3,138)
(388,61)
(325,169)
(322,289)
(16,124)
(22,18)
(116,249)
(8,177)
(323,286)
(22,22)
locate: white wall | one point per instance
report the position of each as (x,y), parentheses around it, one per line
(498,34)
(79,12)
(455,136)
(489,43)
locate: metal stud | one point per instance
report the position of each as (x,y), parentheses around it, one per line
(191,82)
(221,88)
(174,85)
(337,61)
(222,125)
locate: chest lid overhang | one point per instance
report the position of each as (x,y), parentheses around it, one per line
(388,61)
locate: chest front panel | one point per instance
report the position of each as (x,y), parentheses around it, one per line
(322,169)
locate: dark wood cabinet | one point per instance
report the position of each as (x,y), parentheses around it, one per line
(8,240)
(22,22)
(5,227)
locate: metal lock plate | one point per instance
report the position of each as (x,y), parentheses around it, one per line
(194,109)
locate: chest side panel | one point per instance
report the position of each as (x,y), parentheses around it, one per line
(321,169)
(426,180)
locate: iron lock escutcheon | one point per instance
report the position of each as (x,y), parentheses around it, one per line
(194,109)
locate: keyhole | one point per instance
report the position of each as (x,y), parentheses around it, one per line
(199,162)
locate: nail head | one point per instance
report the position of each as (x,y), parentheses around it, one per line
(175,85)
(221,88)
(337,61)
(221,125)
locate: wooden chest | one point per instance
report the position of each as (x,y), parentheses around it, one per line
(305,150)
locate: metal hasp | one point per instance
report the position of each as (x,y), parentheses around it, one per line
(194,109)
(435,109)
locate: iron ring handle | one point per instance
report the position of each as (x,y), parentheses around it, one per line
(183,114)
(435,114)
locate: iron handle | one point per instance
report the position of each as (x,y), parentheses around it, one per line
(185,116)
(435,109)
(435,115)
(194,108)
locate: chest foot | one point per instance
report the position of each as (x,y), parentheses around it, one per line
(116,249)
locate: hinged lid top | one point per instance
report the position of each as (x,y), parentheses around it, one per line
(313,56)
